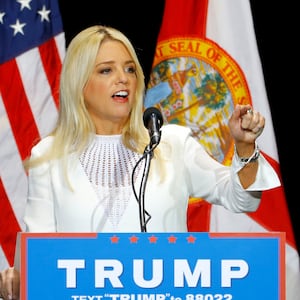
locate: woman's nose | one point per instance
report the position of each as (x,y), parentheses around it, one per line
(122,77)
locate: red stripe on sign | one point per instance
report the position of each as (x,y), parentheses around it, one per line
(9,226)
(52,65)
(17,108)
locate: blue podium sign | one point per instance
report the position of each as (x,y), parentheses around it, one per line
(152,266)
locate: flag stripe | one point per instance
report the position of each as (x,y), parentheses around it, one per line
(52,66)
(174,25)
(17,107)
(40,99)
(9,226)
(198,216)
(239,41)
(272,202)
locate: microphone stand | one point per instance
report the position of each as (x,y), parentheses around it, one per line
(148,154)
(153,121)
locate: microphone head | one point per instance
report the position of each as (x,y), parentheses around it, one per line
(148,115)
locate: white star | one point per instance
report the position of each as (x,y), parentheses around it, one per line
(25,3)
(18,27)
(2,14)
(44,14)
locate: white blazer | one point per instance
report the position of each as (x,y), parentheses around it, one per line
(190,171)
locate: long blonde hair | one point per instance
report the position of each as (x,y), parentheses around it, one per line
(74,125)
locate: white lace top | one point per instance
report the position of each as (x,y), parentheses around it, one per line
(108,165)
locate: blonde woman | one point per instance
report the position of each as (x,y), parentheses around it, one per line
(82,177)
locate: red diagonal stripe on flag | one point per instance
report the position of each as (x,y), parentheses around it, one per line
(272,202)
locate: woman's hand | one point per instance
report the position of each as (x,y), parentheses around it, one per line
(10,284)
(245,125)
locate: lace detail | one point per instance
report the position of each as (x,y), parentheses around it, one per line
(108,165)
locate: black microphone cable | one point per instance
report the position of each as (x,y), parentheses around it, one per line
(140,198)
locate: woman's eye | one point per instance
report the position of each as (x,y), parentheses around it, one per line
(131,69)
(105,71)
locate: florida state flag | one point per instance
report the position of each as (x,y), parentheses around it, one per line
(206,62)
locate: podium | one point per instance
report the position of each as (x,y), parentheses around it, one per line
(152,266)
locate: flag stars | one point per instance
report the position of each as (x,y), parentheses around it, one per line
(2,14)
(44,14)
(18,27)
(25,4)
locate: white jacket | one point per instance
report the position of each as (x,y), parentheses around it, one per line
(190,171)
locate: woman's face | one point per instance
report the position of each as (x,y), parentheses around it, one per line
(110,91)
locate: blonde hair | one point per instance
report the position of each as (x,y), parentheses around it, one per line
(74,125)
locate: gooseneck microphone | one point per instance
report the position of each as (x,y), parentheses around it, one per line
(153,121)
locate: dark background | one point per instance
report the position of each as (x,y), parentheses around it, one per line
(274,26)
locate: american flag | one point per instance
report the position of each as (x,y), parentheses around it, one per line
(32,46)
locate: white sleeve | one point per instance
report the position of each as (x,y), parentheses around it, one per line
(266,177)
(39,210)
(220,184)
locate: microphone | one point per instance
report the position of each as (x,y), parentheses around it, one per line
(153,121)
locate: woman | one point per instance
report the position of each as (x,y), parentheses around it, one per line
(83,176)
